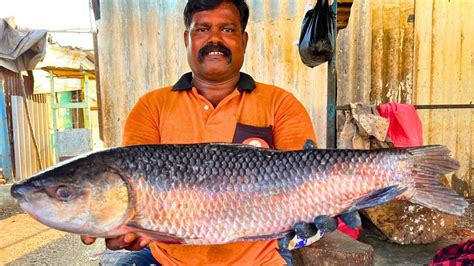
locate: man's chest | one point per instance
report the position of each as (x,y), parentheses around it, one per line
(197,121)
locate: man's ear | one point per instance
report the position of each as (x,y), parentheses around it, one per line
(245,39)
(186,40)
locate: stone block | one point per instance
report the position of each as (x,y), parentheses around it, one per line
(334,249)
(403,222)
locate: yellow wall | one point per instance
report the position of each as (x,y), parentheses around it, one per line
(444,71)
(384,55)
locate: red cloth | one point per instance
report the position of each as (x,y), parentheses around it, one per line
(454,255)
(404,128)
(354,233)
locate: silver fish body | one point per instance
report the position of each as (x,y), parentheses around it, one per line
(220,193)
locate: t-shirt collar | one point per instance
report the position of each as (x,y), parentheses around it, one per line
(246,83)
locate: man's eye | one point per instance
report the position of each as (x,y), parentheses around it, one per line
(201,30)
(228,30)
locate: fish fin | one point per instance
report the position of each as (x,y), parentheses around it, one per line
(155,236)
(310,145)
(431,162)
(376,197)
(239,146)
(264,237)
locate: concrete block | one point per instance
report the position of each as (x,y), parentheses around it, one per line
(334,249)
(407,223)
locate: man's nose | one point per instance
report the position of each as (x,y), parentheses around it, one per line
(215,36)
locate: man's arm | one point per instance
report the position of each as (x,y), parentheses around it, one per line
(142,124)
(293,125)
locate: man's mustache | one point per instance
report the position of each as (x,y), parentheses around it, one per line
(218,47)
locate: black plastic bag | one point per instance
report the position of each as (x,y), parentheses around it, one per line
(318,35)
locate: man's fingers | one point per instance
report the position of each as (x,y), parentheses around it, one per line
(305,230)
(120,242)
(129,241)
(325,223)
(87,240)
(138,244)
(285,241)
(352,219)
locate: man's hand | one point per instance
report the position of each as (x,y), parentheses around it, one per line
(129,241)
(305,234)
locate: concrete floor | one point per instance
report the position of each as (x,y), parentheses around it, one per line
(386,253)
(24,241)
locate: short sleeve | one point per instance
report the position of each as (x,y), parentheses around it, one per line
(293,126)
(142,124)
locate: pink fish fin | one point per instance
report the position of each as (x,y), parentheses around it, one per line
(376,197)
(154,235)
(431,162)
(264,237)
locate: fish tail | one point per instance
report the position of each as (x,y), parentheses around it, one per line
(431,162)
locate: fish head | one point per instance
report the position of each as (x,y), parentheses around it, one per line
(85,196)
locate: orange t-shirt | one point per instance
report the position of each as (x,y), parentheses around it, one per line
(254,113)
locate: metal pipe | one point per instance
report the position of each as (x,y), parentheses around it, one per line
(425,107)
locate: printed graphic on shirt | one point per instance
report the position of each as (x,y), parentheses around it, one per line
(256,136)
(257,142)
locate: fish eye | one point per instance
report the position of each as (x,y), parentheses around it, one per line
(64,193)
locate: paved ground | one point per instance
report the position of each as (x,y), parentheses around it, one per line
(25,241)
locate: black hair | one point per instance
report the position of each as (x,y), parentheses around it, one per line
(194,6)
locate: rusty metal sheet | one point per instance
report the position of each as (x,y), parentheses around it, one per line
(25,162)
(417,52)
(443,71)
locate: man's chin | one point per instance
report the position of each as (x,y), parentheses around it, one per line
(215,73)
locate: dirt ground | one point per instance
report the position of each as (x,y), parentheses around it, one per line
(24,241)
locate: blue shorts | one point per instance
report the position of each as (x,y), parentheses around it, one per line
(144,257)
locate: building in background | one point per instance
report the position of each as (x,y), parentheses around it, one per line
(48,104)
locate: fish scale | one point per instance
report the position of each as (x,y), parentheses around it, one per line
(220,193)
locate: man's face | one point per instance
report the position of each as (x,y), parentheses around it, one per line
(215,43)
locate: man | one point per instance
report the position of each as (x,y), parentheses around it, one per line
(215,103)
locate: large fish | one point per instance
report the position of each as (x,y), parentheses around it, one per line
(219,193)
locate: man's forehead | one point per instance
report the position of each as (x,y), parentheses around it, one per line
(227,10)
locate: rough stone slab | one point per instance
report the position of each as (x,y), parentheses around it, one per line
(406,223)
(334,249)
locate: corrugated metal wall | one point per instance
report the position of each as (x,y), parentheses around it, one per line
(25,161)
(444,71)
(375,53)
(141,48)
(423,53)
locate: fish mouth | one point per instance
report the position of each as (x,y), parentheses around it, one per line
(19,191)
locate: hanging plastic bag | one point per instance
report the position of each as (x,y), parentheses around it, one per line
(318,34)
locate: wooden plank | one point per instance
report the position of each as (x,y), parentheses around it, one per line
(377,60)
(423,60)
(466,94)
(16,136)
